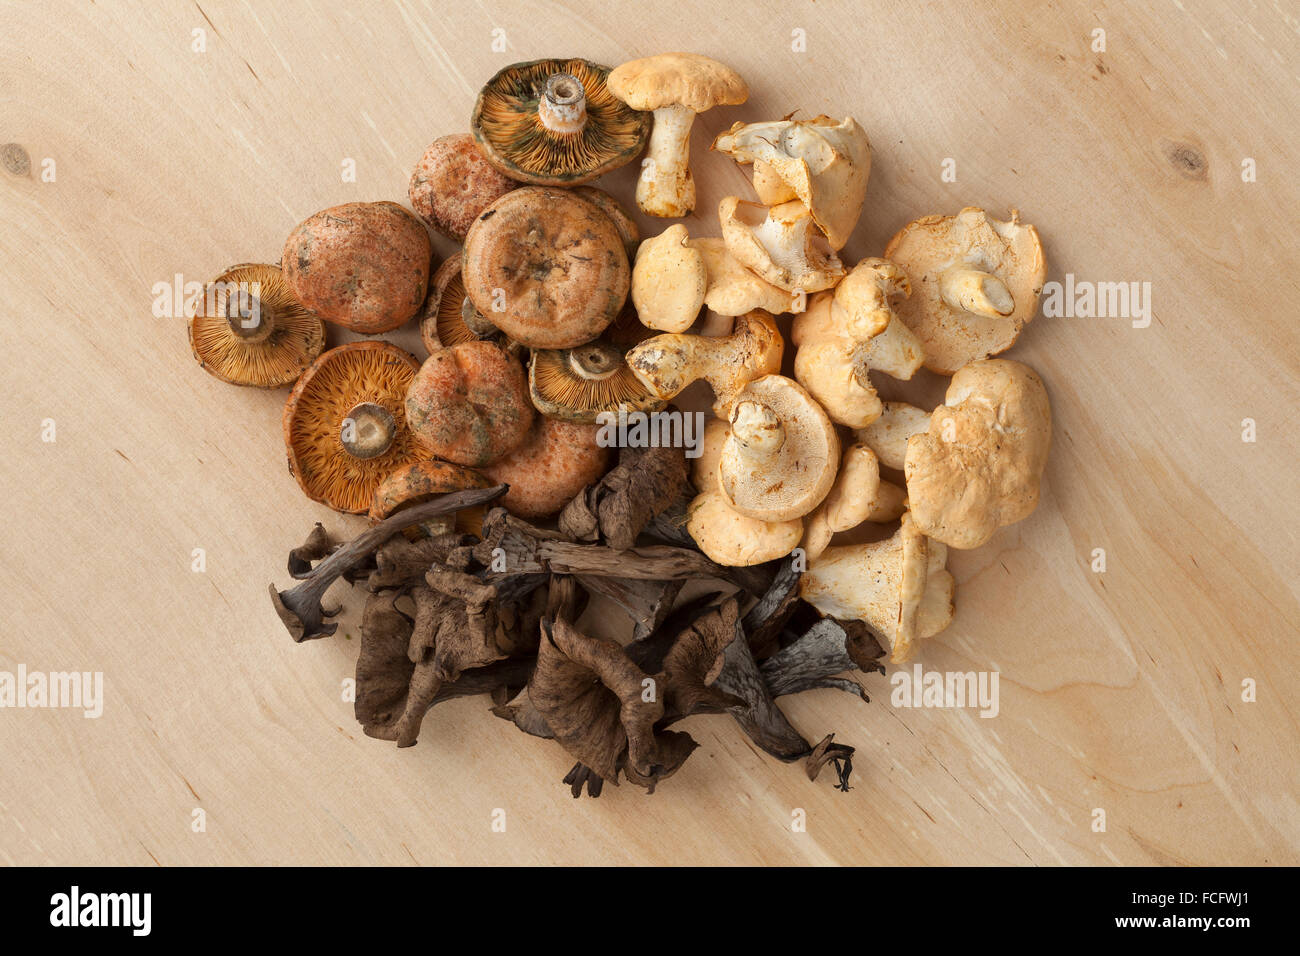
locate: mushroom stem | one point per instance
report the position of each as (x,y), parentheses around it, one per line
(563,106)
(367,431)
(665,187)
(975,291)
(757,429)
(474,320)
(595,361)
(246,316)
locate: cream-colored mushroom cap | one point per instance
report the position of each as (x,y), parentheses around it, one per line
(677,79)
(668,363)
(704,470)
(898,586)
(735,540)
(821,162)
(668,281)
(734,290)
(859,494)
(779,461)
(975,281)
(887,436)
(978,465)
(781,244)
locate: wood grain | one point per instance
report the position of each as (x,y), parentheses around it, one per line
(1120,691)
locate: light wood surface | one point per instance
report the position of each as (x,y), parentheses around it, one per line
(1120,691)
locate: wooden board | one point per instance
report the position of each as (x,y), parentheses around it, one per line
(1121,691)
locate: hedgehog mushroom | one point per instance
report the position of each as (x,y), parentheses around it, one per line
(887,436)
(668,363)
(731,289)
(822,163)
(669,281)
(780,244)
(676,86)
(898,586)
(978,466)
(976,279)
(858,495)
(779,461)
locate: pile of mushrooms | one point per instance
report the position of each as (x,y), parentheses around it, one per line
(807,538)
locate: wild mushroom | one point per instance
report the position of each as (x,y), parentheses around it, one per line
(546,267)
(469,404)
(822,163)
(736,540)
(448,317)
(887,436)
(668,363)
(835,339)
(615,510)
(780,459)
(898,586)
(731,289)
(976,280)
(580,383)
(676,86)
(553,463)
(859,494)
(781,244)
(344,425)
(668,281)
(249,329)
(361,265)
(611,207)
(453,182)
(978,466)
(418,482)
(556,123)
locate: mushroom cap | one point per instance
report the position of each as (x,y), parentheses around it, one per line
(453,182)
(859,494)
(623,222)
(833,367)
(288,340)
(887,436)
(978,465)
(469,404)
(797,474)
(442,318)
(953,337)
(677,79)
(780,244)
(580,383)
(822,162)
(361,265)
(731,289)
(735,540)
(704,470)
(546,267)
(320,404)
(506,124)
(668,281)
(552,465)
(420,481)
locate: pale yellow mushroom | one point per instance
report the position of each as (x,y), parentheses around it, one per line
(736,540)
(887,436)
(859,494)
(734,290)
(781,244)
(668,281)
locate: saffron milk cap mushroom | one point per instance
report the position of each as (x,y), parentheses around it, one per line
(611,207)
(781,244)
(975,280)
(978,465)
(248,328)
(553,463)
(859,494)
(344,424)
(779,461)
(453,182)
(448,316)
(668,363)
(547,267)
(675,86)
(556,123)
(669,281)
(899,587)
(419,481)
(887,436)
(821,162)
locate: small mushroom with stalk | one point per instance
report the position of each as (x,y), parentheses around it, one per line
(976,280)
(546,267)
(887,436)
(731,289)
(580,383)
(978,465)
(668,363)
(556,123)
(361,265)
(344,425)
(553,463)
(469,404)
(448,316)
(676,86)
(898,586)
(779,461)
(453,182)
(837,342)
(421,481)
(821,162)
(669,281)
(611,207)
(859,494)
(781,244)
(249,329)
